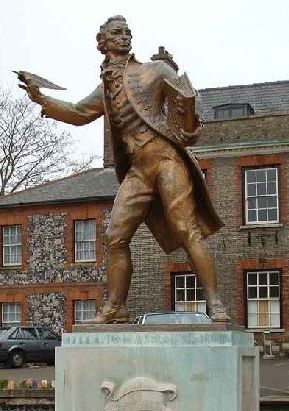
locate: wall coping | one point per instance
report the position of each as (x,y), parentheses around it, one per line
(18,393)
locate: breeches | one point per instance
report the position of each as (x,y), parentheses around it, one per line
(157,172)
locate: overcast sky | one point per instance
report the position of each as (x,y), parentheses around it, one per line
(218,43)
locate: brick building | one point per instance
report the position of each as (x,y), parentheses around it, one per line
(52,235)
(53,259)
(244,153)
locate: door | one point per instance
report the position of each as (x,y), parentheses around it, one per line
(26,339)
(49,341)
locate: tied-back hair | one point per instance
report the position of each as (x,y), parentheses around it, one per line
(101,38)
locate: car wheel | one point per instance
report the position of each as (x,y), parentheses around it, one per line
(17,359)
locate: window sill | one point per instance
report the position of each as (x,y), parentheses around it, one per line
(11,267)
(265,330)
(269,225)
(84,262)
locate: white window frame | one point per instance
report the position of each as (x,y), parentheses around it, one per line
(256,197)
(86,308)
(254,304)
(12,241)
(13,309)
(187,304)
(85,240)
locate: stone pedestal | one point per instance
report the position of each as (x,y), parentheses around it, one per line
(160,368)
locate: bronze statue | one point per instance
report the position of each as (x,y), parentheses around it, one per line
(151,115)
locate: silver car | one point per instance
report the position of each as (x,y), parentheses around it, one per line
(174,317)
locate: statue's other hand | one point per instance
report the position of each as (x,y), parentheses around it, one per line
(33,92)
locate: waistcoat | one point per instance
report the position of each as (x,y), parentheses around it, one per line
(131,129)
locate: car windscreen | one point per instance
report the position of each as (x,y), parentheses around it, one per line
(3,332)
(177,318)
(25,334)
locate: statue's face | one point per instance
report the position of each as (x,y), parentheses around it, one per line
(118,37)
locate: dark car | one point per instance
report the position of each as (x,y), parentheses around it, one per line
(3,330)
(28,344)
(175,317)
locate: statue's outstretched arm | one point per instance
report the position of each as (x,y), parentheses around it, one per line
(83,112)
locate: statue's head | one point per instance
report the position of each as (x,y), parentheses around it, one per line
(114,36)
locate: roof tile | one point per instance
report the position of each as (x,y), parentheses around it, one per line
(97,183)
(264,98)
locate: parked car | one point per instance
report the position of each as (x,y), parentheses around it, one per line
(174,317)
(28,344)
(3,330)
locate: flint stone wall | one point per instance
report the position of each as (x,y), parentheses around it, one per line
(46,237)
(48,256)
(47,309)
(47,251)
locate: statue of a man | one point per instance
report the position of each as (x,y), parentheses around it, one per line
(160,182)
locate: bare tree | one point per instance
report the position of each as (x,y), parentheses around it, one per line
(32,149)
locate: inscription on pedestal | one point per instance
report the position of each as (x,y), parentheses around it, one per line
(140,394)
(157,370)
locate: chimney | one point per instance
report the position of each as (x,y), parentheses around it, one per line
(164,55)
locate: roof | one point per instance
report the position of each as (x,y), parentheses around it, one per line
(94,184)
(264,98)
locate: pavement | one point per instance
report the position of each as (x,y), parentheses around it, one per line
(274,375)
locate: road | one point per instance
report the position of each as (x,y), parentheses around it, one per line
(274,375)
